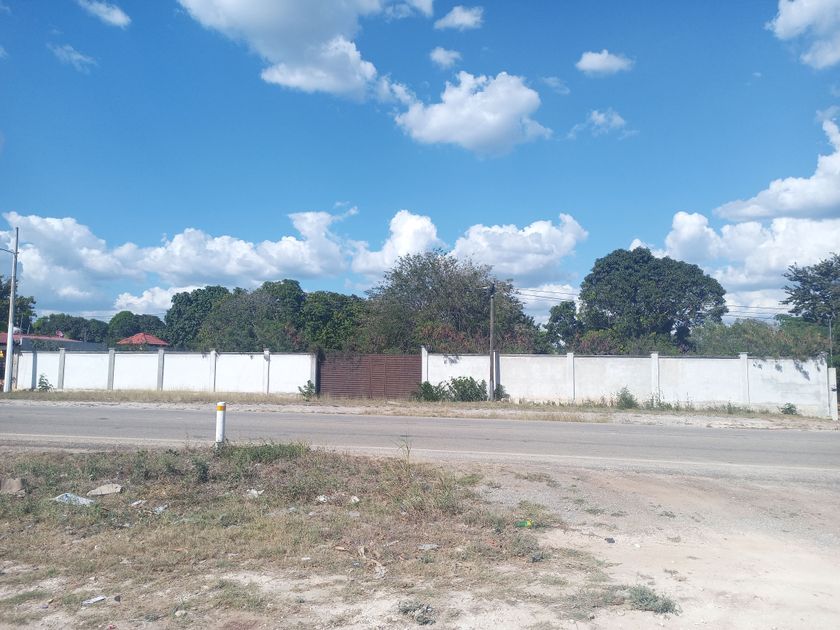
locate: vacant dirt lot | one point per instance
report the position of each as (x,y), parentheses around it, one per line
(330,540)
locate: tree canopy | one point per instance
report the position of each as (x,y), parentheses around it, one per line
(24,305)
(187,313)
(637,295)
(439,301)
(72,326)
(125,323)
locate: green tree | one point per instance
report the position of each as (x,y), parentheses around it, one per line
(814,294)
(563,326)
(73,327)
(188,312)
(636,295)
(788,337)
(249,322)
(331,321)
(24,306)
(436,300)
(125,323)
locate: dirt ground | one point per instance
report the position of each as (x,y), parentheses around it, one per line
(730,552)
(734,417)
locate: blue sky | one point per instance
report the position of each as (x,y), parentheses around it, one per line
(149,147)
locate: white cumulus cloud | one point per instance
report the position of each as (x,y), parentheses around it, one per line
(444,58)
(751,256)
(603,63)
(601,122)
(309,45)
(557,85)
(530,253)
(488,115)
(108,13)
(462,18)
(410,233)
(816,23)
(814,196)
(69,56)
(154,301)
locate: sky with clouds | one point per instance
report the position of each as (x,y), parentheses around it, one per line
(153,147)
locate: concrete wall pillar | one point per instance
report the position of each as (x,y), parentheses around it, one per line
(212,383)
(832,393)
(266,370)
(745,378)
(161,355)
(112,359)
(313,371)
(570,376)
(62,357)
(654,376)
(424,364)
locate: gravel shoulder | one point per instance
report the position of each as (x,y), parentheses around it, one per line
(552,413)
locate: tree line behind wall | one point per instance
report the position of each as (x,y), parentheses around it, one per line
(630,303)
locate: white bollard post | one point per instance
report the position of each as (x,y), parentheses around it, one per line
(221,407)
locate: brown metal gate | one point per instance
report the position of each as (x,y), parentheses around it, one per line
(370,375)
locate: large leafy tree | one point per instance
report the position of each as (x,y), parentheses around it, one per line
(814,294)
(188,312)
(125,323)
(563,327)
(788,337)
(73,327)
(437,300)
(331,321)
(250,321)
(24,306)
(636,295)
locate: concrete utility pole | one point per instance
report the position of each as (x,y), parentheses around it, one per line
(491,388)
(10,339)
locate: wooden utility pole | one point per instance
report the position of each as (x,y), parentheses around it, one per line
(491,389)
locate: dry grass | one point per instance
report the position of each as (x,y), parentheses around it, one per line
(307,522)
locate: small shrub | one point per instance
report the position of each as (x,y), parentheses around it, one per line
(500,393)
(467,389)
(426,392)
(626,400)
(308,391)
(645,598)
(201,470)
(44,384)
(789,409)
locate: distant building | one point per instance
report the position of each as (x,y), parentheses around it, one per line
(142,339)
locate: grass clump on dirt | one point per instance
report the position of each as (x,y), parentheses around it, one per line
(645,598)
(197,520)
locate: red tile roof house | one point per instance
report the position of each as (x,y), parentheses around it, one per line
(142,339)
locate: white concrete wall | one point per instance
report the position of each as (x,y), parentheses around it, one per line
(598,378)
(182,371)
(761,384)
(443,367)
(290,371)
(701,381)
(241,373)
(534,377)
(188,371)
(32,364)
(133,370)
(776,382)
(85,370)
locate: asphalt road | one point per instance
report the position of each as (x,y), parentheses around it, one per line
(739,452)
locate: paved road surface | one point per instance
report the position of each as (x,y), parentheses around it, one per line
(737,452)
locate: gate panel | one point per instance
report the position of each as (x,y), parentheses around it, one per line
(370,375)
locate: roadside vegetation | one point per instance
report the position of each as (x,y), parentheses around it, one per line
(631,303)
(195,535)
